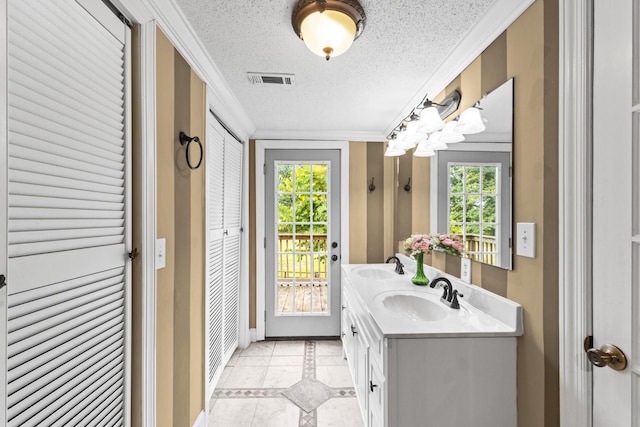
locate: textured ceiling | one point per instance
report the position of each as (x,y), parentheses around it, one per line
(361,91)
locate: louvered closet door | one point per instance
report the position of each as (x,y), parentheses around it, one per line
(224,181)
(215,276)
(68,217)
(232,224)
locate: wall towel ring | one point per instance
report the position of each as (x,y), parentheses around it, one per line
(187,140)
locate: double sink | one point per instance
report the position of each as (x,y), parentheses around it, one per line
(400,308)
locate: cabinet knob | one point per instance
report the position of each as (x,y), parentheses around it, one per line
(372,386)
(344,306)
(353,330)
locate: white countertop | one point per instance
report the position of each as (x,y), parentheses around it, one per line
(481,314)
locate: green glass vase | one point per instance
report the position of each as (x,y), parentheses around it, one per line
(419,278)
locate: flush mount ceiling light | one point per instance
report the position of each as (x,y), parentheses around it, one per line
(328,27)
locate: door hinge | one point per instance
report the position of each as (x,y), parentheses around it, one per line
(509,241)
(134,254)
(265,243)
(265,315)
(3,281)
(264,168)
(510,171)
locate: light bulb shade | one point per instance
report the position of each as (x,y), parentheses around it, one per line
(449,134)
(414,133)
(430,120)
(435,142)
(470,122)
(405,140)
(424,149)
(393,150)
(328,28)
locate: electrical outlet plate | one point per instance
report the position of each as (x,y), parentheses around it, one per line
(161,253)
(526,241)
(465,270)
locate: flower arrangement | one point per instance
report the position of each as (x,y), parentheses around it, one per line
(448,243)
(425,243)
(418,243)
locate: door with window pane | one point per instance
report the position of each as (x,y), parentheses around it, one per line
(303,232)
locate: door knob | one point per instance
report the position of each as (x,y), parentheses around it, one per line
(334,245)
(607,355)
(334,257)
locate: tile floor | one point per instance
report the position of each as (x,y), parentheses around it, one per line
(286,383)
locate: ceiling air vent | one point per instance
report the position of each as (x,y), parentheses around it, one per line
(272,78)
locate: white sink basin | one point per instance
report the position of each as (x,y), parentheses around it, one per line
(413,305)
(374,273)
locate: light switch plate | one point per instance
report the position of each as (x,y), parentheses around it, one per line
(526,239)
(465,270)
(161,253)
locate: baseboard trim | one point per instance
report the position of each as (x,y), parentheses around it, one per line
(253,334)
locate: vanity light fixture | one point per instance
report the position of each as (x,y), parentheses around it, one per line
(328,27)
(423,121)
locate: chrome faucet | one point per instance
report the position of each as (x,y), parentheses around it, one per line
(450,295)
(399,265)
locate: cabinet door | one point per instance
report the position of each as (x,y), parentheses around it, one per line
(376,394)
(361,379)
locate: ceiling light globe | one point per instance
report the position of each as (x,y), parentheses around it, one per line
(328,27)
(329,33)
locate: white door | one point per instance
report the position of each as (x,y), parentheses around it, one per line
(616,209)
(66,301)
(224,198)
(302,224)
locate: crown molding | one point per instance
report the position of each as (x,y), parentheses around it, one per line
(498,18)
(318,135)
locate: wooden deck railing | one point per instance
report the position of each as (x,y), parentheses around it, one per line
(484,251)
(301,264)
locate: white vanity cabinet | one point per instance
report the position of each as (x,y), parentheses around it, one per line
(357,340)
(430,373)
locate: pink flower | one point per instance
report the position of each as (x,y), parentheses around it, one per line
(458,246)
(447,242)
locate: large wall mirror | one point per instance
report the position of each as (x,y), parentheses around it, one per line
(471,184)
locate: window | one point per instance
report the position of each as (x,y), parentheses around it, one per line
(474,206)
(474,202)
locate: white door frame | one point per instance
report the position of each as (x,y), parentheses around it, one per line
(147,165)
(261,146)
(575,188)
